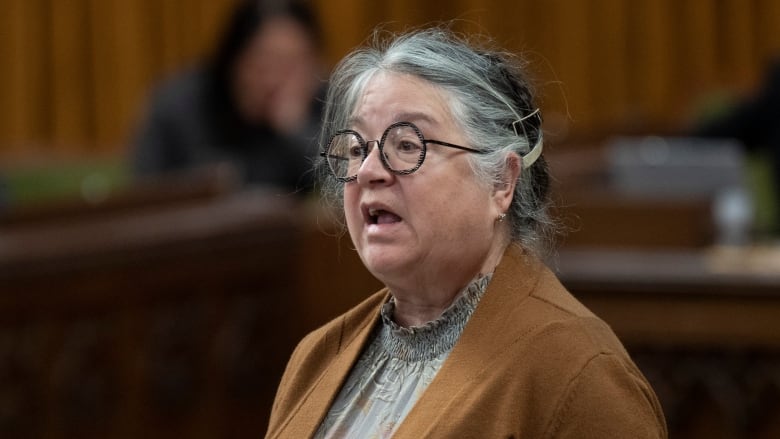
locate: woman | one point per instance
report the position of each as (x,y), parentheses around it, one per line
(253,105)
(434,149)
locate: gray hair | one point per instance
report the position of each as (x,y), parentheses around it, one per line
(488,92)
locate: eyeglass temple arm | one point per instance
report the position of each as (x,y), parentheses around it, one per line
(451,145)
(331,156)
(528,159)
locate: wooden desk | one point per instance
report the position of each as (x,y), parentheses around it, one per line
(682,297)
(596,216)
(176,319)
(167,321)
(704,327)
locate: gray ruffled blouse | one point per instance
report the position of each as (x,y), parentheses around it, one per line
(395,369)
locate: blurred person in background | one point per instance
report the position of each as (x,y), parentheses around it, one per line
(254,104)
(473,336)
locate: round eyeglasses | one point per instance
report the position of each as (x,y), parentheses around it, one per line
(402,150)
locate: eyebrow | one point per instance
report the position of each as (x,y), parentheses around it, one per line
(413,116)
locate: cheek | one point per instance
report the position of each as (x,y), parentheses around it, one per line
(431,210)
(352,207)
(462,210)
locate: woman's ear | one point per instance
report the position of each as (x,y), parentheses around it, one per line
(504,191)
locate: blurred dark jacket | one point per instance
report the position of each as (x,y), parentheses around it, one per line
(755,122)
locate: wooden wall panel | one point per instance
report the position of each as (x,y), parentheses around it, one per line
(106,61)
(78,74)
(345,24)
(611,97)
(767,21)
(651,44)
(72,118)
(739,50)
(571,56)
(7,57)
(26,87)
(699,19)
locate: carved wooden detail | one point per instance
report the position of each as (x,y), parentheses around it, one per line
(715,393)
(184,330)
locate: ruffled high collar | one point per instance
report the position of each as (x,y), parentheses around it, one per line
(428,341)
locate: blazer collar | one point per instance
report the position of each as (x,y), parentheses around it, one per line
(314,406)
(512,283)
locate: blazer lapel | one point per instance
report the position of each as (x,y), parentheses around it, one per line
(306,419)
(471,353)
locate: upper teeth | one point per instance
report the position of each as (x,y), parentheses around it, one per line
(373,212)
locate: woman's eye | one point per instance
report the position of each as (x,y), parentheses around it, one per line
(355,151)
(408,146)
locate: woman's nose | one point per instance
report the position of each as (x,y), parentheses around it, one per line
(372,170)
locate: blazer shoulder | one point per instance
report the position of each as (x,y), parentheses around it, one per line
(316,351)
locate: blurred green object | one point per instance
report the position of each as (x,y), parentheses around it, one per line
(91,180)
(713,106)
(761,183)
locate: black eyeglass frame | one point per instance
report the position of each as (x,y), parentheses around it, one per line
(381,143)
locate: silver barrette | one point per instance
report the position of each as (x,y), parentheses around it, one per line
(536,151)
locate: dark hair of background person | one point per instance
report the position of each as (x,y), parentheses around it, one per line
(753,120)
(246,19)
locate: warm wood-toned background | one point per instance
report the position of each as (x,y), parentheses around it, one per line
(74,75)
(169,309)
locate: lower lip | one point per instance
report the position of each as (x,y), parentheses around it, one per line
(381,229)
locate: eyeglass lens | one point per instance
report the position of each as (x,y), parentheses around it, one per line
(402,149)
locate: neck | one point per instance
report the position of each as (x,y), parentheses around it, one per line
(432,296)
(410,313)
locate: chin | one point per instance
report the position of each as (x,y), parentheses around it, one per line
(383,264)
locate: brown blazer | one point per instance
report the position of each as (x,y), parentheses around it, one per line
(532,362)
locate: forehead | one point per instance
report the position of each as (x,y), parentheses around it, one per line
(393,97)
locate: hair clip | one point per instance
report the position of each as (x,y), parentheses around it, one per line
(536,151)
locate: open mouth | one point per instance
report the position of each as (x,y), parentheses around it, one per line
(381,216)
